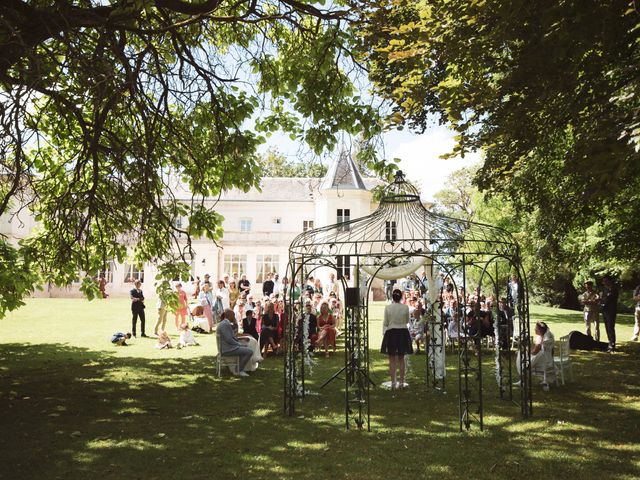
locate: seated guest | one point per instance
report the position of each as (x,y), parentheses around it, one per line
(269,332)
(186,336)
(199,321)
(417,328)
(163,340)
(327,327)
(310,319)
(119,339)
(230,345)
(249,324)
(486,324)
(542,350)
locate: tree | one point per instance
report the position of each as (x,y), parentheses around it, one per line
(106,108)
(547,90)
(274,164)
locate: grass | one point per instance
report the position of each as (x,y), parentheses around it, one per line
(73,406)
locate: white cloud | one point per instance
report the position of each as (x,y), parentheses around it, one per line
(419,157)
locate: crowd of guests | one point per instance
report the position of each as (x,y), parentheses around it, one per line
(257,324)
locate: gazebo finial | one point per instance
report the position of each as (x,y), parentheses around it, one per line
(399,177)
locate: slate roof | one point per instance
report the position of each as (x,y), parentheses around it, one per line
(343,174)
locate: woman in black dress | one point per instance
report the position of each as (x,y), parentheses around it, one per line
(269,332)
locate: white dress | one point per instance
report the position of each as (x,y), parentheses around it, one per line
(223,294)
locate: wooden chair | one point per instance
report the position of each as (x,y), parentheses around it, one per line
(230,361)
(562,362)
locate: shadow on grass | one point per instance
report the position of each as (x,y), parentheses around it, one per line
(72,413)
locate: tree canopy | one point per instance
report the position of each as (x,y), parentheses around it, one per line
(549,91)
(105,104)
(275,164)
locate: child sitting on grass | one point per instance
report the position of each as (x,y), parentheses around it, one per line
(163,340)
(120,339)
(186,336)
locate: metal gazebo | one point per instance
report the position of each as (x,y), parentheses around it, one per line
(400,236)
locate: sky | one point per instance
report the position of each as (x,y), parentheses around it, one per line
(418,154)
(419,157)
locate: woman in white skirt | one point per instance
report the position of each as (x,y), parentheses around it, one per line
(397,341)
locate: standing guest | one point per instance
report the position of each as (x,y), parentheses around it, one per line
(277,288)
(206,300)
(327,329)
(331,285)
(196,291)
(234,293)
(207,278)
(267,286)
(181,312)
(137,308)
(161,324)
(120,339)
(230,345)
(222,294)
(591,301)
(102,285)
(397,341)
(225,279)
(514,291)
(388,289)
(609,310)
(294,290)
(636,328)
(249,324)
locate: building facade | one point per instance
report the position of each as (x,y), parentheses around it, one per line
(259,226)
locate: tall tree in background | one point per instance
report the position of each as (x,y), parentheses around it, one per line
(549,91)
(107,107)
(275,164)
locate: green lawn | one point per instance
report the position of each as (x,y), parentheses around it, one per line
(73,406)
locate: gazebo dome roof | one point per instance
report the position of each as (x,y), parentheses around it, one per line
(403,226)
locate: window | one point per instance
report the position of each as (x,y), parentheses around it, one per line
(133,273)
(391,231)
(266,264)
(344,266)
(177,222)
(307,225)
(235,264)
(344,215)
(277,220)
(245,225)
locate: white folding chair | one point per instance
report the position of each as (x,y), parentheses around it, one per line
(562,362)
(546,369)
(230,361)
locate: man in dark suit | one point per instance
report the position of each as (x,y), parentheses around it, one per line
(249,323)
(137,308)
(311,320)
(610,309)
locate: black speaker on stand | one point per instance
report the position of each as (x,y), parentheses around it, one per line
(352,297)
